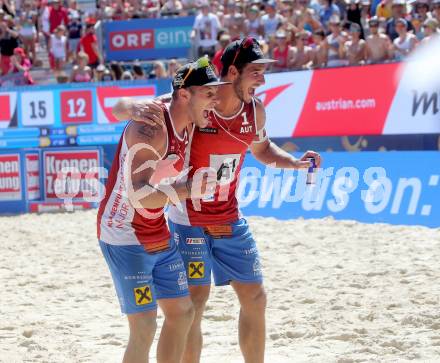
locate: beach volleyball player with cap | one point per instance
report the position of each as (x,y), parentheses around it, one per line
(215,238)
(144,262)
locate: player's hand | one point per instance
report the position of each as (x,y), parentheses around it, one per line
(148,112)
(203,183)
(310,154)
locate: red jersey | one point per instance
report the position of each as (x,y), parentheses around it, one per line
(280,57)
(86,42)
(222,145)
(119,223)
(57,17)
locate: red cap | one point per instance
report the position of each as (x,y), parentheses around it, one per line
(20,51)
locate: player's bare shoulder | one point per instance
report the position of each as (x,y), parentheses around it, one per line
(141,133)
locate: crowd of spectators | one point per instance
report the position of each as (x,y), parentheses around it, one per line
(299,34)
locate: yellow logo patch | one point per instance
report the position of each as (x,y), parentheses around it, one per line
(196,270)
(142,295)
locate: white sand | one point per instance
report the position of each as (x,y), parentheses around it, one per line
(338,292)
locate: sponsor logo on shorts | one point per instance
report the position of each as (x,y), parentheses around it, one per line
(196,270)
(257,267)
(197,253)
(176,238)
(195,241)
(142,295)
(139,276)
(250,251)
(182,281)
(176,266)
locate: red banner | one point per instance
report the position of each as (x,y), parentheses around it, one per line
(70,174)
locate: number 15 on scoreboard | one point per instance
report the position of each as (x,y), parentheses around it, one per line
(37,108)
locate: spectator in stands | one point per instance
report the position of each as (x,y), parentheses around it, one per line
(430,29)
(436,9)
(8,42)
(271,21)
(303,54)
(384,9)
(127,76)
(45,25)
(58,48)
(57,16)
(405,43)
(99,72)
(378,45)
(308,21)
(116,70)
(283,53)
(27,29)
(252,23)
(416,22)
(81,72)
(234,21)
(171,7)
(353,13)
(173,66)
(159,71)
(89,44)
(421,8)
(355,49)
(319,49)
(205,29)
(138,72)
(106,76)
(224,40)
(335,43)
(21,64)
(74,27)
(327,11)
(398,12)
(7,7)
(365,16)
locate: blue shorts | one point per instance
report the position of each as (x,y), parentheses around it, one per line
(230,257)
(141,278)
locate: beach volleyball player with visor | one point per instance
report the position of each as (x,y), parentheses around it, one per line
(144,262)
(213,236)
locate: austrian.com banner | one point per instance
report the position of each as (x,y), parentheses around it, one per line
(369,100)
(148,38)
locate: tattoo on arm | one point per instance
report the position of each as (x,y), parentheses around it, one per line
(148,131)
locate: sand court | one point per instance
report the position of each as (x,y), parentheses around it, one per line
(338,291)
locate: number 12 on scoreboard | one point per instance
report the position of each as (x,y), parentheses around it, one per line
(76,107)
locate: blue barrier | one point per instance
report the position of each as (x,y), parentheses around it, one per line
(147,38)
(387,187)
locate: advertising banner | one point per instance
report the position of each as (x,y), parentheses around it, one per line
(372,187)
(371,100)
(33,175)
(71,174)
(147,38)
(10,177)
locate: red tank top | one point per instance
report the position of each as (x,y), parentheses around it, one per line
(119,223)
(280,57)
(222,145)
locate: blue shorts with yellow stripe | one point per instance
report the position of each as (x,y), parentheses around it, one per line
(227,251)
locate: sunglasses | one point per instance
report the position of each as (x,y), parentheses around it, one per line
(245,43)
(200,63)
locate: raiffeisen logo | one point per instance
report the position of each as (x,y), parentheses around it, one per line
(177,37)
